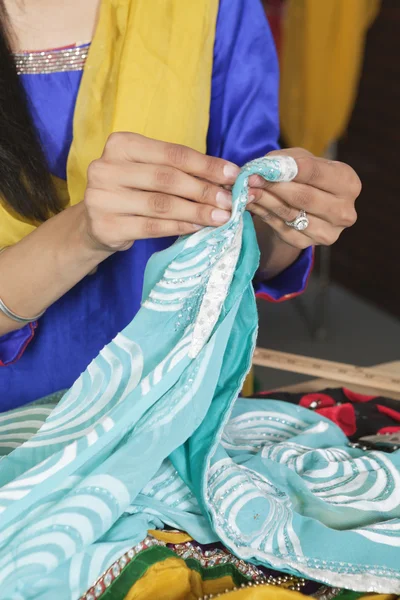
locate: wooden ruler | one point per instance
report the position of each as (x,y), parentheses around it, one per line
(342,373)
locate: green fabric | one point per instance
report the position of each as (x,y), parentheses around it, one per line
(147,558)
(217,572)
(348,595)
(135,570)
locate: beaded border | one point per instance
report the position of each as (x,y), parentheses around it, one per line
(328,596)
(327,593)
(104,582)
(51,61)
(212,558)
(206,558)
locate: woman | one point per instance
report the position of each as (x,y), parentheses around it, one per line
(129,447)
(85,264)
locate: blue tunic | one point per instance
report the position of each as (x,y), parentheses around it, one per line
(244,124)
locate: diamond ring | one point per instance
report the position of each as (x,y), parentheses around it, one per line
(300,223)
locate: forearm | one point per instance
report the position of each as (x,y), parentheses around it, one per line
(46,264)
(276,255)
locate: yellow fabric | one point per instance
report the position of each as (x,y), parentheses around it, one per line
(171,579)
(380,597)
(323,43)
(171,537)
(13,227)
(148,71)
(248,386)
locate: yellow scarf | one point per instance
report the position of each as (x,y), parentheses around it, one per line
(322,54)
(148,71)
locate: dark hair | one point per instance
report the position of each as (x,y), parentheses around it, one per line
(25,182)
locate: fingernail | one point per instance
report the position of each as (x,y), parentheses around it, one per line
(220,216)
(197,227)
(251,198)
(231,171)
(224,200)
(256,181)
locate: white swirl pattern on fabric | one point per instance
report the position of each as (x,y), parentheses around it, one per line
(152,433)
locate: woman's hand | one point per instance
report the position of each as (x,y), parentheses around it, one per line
(325,189)
(143,188)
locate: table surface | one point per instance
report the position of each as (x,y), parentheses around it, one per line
(316,385)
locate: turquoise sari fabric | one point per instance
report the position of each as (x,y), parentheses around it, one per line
(152,434)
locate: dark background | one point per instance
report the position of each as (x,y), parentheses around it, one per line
(366,258)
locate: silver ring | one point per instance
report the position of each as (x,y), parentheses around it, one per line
(300,223)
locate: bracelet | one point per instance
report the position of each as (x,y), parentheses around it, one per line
(14,317)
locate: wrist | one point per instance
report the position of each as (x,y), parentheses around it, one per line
(89,249)
(276,255)
(45,265)
(291,253)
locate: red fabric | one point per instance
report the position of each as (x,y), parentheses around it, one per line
(323,400)
(385,430)
(274,11)
(268,298)
(385,410)
(355,414)
(32,327)
(343,415)
(353,397)
(23,344)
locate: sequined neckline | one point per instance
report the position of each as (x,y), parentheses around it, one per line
(72,58)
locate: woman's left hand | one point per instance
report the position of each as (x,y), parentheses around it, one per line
(326,190)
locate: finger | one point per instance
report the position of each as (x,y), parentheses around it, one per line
(287,199)
(318,231)
(159,206)
(290,236)
(296,153)
(268,202)
(333,177)
(156,178)
(293,152)
(138,148)
(137,228)
(120,231)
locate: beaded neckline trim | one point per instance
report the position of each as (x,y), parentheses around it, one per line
(72,58)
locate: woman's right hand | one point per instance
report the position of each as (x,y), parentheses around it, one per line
(144,188)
